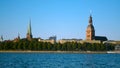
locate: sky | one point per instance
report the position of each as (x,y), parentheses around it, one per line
(62,18)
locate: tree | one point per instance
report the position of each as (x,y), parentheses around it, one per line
(59,46)
(44,46)
(79,46)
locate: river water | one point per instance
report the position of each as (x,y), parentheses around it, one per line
(58,60)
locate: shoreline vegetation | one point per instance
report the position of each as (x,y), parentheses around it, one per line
(33,46)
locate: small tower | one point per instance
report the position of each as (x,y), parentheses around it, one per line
(90,32)
(29,33)
(17,39)
(18,36)
(1,38)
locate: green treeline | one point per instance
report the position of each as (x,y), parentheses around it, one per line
(45,46)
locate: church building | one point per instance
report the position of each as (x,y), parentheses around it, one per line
(90,32)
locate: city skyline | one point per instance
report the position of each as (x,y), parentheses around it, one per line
(65,19)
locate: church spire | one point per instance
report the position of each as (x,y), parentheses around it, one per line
(18,36)
(29,32)
(29,28)
(90,19)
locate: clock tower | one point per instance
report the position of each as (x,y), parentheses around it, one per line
(90,32)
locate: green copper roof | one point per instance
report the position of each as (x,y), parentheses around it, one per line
(29,28)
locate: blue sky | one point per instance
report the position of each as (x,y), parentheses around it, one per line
(63,18)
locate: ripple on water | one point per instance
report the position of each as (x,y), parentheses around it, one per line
(41,60)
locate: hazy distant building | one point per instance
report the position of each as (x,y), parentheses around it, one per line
(90,32)
(69,40)
(62,41)
(117,47)
(29,32)
(112,42)
(51,39)
(17,39)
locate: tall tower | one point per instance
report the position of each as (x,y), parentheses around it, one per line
(29,32)
(90,32)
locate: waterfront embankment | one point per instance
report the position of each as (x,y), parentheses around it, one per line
(28,51)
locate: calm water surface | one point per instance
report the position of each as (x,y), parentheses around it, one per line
(56,60)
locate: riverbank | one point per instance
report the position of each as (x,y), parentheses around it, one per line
(28,51)
(86,52)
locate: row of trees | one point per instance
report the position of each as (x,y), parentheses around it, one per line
(45,46)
